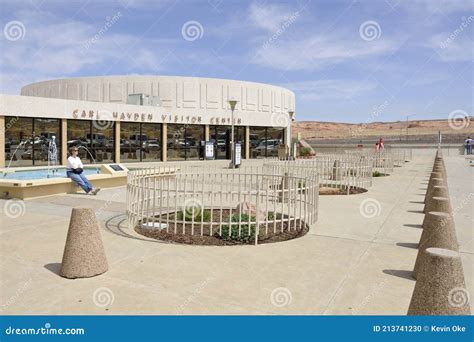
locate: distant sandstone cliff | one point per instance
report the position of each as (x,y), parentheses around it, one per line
(316,130)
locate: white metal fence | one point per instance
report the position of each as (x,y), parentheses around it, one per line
(382,160)
(401,155)
(340,171)
(246,205)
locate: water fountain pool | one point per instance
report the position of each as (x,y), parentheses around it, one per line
(43,174)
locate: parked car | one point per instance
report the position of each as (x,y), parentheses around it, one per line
(270,145)
(151,145)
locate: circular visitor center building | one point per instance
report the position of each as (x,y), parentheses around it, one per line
(143,119)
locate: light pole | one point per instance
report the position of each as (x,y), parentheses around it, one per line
(232,104)
(290,143)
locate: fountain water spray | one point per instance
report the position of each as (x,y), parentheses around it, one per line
(92,157)
(52,156)
(22,143)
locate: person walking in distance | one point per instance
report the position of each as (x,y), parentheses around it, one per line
(468,145)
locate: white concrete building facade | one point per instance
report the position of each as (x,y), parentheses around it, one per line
(173,119)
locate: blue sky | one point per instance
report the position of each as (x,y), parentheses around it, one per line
(347,61)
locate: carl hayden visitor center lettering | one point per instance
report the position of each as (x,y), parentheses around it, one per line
(120,119)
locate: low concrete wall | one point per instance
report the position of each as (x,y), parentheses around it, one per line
(27,189)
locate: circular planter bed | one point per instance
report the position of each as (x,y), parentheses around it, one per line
(377,174)
(197,234)
(326,191)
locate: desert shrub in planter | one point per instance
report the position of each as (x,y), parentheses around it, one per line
(231,232)
(273,216)
(198,215)
(305,152)
(378,174)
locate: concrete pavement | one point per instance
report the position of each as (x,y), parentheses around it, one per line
(358,261)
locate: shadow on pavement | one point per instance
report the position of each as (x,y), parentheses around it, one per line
(407,244)
(400,273)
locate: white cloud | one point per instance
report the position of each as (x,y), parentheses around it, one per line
(55,46)
(430,6)
(269,17)
(318,51)
(459,49)
(317,90)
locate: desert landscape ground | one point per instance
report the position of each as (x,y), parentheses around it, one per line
(415,130)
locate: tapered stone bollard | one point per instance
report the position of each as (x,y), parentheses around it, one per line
(435,191)
(441,204)
(84,254)
(440,289)
(436,175)
(438,231)
(431,184)
(439,167)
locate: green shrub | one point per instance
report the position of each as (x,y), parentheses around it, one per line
(198,214)
(377,174)
(305,151)
(247,230)
(271,216)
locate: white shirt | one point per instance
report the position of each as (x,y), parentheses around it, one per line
(74,163)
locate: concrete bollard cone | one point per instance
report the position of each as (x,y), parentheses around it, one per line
(435,191)
(440,289)
(439,167)
(84,254)
(436,175)
(440,204)
(432,183)
(438,231)
(430,192)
